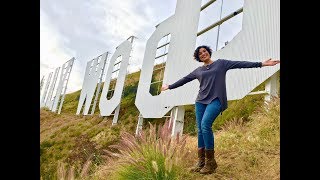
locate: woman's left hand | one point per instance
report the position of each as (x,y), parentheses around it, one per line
(270,62)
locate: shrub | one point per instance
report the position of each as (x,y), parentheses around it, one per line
(155,155)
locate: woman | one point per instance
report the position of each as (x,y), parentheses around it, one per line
(211,99)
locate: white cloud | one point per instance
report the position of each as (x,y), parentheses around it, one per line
(51,54)
(84,29)
(54,53)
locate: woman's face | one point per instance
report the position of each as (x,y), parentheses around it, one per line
(203,54)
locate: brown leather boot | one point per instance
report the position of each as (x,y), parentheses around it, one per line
(201,161)
(210,164)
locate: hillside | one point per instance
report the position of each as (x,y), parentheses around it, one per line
(244,150)
(72,140)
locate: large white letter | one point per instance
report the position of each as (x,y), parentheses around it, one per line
(93,72)
(62,86)
(44,94)
(258,40)
(182,26)
(49,101)
(108,106)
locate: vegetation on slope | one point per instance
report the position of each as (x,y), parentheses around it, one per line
(244,150)
(73,140)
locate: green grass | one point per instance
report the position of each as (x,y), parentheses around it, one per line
(59,134)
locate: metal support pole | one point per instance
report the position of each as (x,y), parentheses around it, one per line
(116,115)
(219,26)
(220,22)
(139,125)
(207,4)
(271,87)
(177,116)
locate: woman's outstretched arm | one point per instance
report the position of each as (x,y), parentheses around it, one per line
(270,62)
(180,82)
(247,64)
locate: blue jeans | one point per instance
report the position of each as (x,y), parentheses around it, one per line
(205,115)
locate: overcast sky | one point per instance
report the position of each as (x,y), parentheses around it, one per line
(85,29)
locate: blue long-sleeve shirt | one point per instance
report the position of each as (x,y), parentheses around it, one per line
(212,80)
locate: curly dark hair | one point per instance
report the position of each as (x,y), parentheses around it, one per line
(196,52)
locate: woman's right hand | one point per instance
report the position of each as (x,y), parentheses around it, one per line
(164,87)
